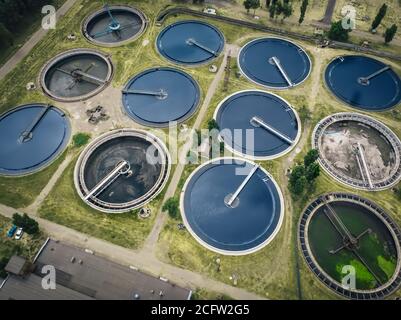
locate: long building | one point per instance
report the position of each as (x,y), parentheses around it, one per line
(81,275)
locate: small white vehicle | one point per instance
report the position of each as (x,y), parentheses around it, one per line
(19,234)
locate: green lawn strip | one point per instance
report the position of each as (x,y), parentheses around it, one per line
(204,294)
(22,191)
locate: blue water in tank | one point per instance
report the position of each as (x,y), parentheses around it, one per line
(48,140)
(255,63)
(382,92)
(181,98)
(249,224)
(173,44)
(236,113)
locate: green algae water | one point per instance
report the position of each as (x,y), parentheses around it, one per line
(377,248)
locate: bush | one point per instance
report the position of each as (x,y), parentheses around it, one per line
(172,207)
(311,157)
(212,124)
(399,192)
(3,263)
(80,139)
(303,176)
(29,225)
(304,114)
(338,33)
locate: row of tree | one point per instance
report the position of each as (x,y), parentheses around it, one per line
(277,8)
(303,176)
(284,8)
(12,15)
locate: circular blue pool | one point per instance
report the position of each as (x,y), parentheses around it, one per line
(364,83)
(274,63)
(269,119)
(159,96)
(190,42)
(232,206)
(31,136)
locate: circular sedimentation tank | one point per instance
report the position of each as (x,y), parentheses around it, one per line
(159,96)
(358,151)
(342,235)
(274,124)
(190,42)
(114,25)
(274,63)
(31,137)
(122,170)
(76,75)
(364,83)
(232,206)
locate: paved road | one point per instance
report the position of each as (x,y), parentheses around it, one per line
(329,12)
(143,259)
(28,46)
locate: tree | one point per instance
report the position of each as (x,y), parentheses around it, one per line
(279,9)
(212,125)
(304,113)
(390,33)
(3,263)
(6,38)
(303,176)
(172,207)
(399,192)
(286,10)
(29,225)
(272,10)
(248,5)
(299,185)
(298,180)
(338,33)
(304,6)
(311,157)
(312,172)
(255,4)
(379,17)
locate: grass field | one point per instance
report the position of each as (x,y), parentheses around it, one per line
(21,192)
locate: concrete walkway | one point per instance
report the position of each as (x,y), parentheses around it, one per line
(34,207)
(151,241)
(28,46)
(328,15)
